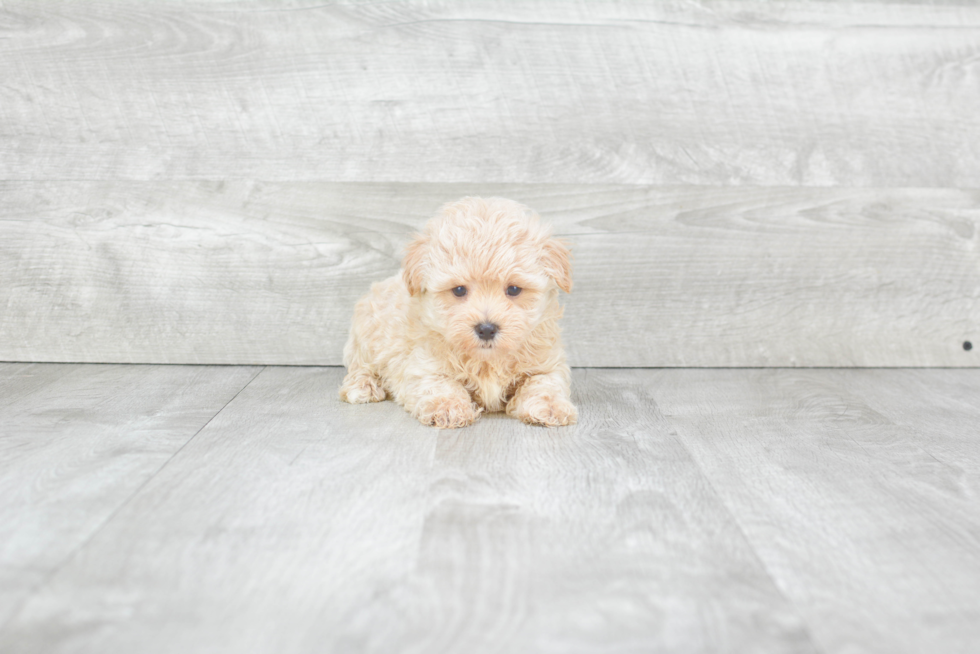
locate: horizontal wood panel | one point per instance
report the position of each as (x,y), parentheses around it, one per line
(268,273)
(719,93)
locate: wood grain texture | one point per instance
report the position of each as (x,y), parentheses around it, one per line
(927,404)
(268,273)
(295,524)
(713,93)
(76,442)
(863,509)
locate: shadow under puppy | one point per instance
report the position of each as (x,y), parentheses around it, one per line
(470,324)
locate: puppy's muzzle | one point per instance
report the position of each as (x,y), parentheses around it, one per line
(486,331)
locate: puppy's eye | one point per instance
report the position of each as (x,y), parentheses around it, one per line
(459,291)
(513,290)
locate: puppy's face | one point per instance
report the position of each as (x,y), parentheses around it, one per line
(486,273)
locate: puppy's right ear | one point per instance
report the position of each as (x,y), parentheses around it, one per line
(413,265)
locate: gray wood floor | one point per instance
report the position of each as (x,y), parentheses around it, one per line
(233,509)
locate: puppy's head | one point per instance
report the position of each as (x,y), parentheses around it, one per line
(486,273)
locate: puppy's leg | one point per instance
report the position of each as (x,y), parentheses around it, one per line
(440,402)
(543,400)
(360,386)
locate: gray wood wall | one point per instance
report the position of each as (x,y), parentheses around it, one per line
(743,183)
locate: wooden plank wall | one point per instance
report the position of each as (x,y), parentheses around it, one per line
(743,183)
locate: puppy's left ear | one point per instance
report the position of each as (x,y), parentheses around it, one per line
(413,264)
(556,260)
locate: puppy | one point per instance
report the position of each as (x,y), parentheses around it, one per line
(470,324)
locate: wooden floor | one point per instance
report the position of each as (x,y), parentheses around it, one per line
(244,509)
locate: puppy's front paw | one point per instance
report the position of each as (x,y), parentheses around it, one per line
(360,389)
(547,411)
(448,412)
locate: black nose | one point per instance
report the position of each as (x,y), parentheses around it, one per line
(486,330)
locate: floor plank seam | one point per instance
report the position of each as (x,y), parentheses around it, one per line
(81,546)
(817,645)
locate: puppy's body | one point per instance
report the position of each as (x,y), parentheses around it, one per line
(470,324)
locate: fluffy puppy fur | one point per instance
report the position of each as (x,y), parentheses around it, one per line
(470,324)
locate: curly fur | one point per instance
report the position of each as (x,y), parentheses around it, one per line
(413,340)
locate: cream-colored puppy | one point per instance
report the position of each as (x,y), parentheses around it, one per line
(470,324)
